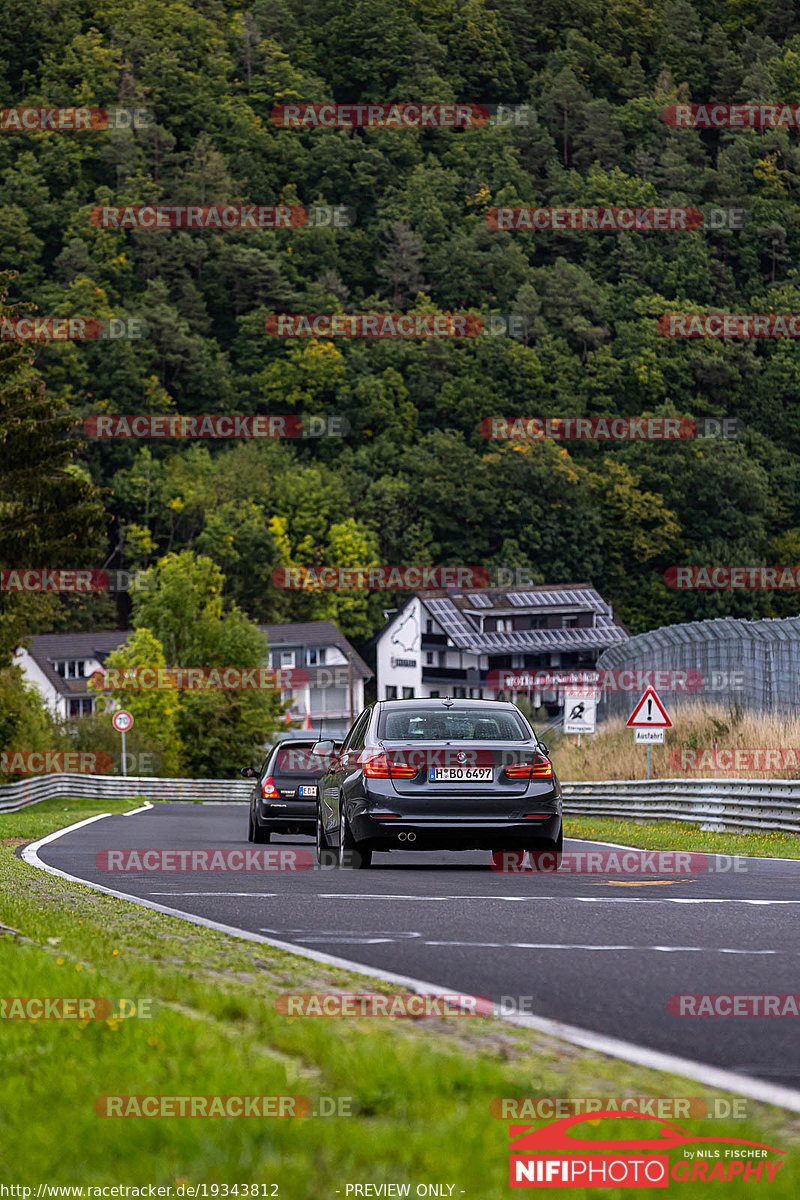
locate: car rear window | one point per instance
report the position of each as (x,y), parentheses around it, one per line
(290,760)
(451,725)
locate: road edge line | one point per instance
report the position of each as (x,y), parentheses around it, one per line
(655,1060)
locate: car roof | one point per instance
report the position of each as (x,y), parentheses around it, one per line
(301,743)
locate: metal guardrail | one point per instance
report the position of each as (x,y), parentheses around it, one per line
(730,805)
(743,805)
(14,796)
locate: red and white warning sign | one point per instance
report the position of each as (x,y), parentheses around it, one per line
(649,713)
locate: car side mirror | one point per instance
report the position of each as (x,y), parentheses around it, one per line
(249,772)
(544,749)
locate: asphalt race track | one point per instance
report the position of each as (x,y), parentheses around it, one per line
(604,952)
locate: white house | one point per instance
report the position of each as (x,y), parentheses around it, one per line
(465,643)
(59,666)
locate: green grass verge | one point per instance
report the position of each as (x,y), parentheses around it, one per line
(421,1089)
(675,835)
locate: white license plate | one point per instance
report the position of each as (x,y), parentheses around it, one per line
(460,774)
(306,790)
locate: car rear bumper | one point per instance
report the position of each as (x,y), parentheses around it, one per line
(288,816)
(407,833)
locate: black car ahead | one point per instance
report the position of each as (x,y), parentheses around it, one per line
(284,799)
(437,775)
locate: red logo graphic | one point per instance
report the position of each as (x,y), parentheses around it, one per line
(552,1157)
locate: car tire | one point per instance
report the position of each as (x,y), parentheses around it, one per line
(260,835)
(326,855)
(251,833)
(548,859)
(351,856)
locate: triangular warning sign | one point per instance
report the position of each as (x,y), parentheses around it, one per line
(649,713)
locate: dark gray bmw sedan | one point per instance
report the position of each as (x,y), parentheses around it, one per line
(437,775)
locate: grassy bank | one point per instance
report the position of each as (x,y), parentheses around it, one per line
(421,1089)
(675,835)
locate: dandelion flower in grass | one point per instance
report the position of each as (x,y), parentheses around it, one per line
(115,952)
(60,962)
(78,966)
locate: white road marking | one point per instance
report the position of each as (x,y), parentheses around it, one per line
(538,899)
(600,1043)
(591,946)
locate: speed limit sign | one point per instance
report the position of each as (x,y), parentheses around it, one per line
(122,721)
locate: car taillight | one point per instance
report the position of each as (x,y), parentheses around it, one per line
(539,768)
(380,767)
(268,790)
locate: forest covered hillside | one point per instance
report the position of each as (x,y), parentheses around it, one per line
(576,95)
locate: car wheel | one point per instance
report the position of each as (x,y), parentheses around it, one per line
(350,854)
(548,859)
(326,856)
(251,832)
(260,835)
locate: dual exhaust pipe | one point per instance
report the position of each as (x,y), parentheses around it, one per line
(407,837)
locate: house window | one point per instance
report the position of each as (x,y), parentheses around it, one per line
(315,657)
(434,696)
(82,707)
(569,622)
(408,693)
(429,657)
(391,692)
(71,668)
(429,626)
(287,658)
(505,624)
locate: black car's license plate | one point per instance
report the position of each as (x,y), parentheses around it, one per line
(459,774)
(307,790)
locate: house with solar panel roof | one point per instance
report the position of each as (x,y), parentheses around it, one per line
(494,643)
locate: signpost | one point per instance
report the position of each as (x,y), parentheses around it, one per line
(649,719)
(580,711)
(122,722)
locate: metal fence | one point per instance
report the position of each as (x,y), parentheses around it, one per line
(752,664)
(745,805)
(108,787)
(735,804)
